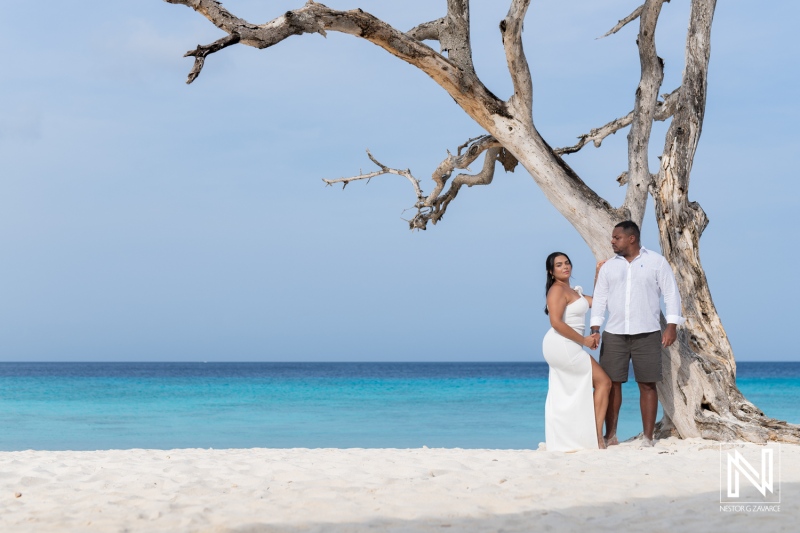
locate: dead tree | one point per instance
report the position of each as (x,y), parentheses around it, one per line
(699,396)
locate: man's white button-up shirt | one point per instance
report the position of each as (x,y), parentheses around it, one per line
(631,293)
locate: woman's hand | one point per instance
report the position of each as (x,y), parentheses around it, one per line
(590,342)
(597,273)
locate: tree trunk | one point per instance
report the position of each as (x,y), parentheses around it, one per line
(699,395)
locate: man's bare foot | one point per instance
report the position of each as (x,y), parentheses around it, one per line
(647,443)
(611,441)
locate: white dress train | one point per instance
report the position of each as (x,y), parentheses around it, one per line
(569,409)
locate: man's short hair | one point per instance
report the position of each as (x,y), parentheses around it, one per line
(630,227)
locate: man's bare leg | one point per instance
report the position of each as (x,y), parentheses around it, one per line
(612,414)
(648,403)
(602,387)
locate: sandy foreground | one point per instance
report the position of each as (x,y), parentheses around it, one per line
(672,487)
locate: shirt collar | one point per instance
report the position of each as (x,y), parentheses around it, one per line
(642,251)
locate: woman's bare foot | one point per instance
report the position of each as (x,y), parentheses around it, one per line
(611,441)
(601,443)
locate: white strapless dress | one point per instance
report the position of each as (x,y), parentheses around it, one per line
(569,409)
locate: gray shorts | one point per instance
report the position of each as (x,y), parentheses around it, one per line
(644,349)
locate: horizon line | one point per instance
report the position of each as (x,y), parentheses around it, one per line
(333,362)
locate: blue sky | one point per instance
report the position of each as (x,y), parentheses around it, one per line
(144,219)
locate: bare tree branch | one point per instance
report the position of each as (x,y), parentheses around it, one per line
(383,170)
(433,207)
(515,132)
(427,31)
(454,75)
(511,29)
(260,36)
(440,204)
(467,143)
(452,32)
(663,111)
(652,68)
(624,22)
(455,38)
(201,52)
(452,162)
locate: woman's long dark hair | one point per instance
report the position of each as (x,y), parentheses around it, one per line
(549,265)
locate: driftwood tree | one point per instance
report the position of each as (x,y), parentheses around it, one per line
(699,393)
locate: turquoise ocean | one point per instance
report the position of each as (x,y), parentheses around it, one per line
(90,406)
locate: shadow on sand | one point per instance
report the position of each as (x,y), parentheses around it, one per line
(698,512)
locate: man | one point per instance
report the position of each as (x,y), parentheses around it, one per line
(629,286)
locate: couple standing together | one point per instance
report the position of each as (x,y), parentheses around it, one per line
(629,287)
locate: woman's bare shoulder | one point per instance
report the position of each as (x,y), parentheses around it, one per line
(556,291)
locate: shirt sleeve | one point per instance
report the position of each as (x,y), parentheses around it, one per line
(600,299)
(672,297)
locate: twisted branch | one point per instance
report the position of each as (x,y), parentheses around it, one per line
(652,75)
(432,208)
(439,204)
(453,73)
(445,169)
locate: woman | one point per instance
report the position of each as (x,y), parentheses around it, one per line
(571,420)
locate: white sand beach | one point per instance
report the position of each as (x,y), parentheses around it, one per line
(672,487)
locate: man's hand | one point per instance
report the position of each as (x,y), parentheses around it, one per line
(669,336)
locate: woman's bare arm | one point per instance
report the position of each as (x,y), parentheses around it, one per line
(557,299)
